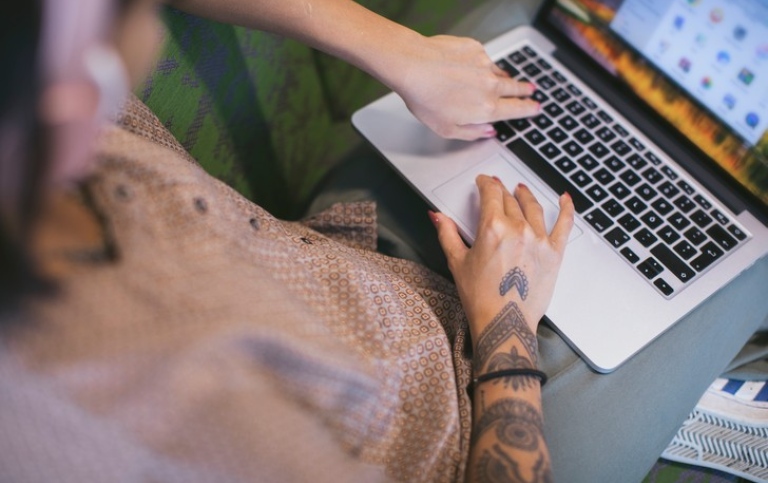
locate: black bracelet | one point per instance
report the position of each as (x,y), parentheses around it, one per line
(511,372)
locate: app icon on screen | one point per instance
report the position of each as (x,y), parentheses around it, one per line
(716,15)
(739,33)
(746,76)
(723,57)
(752,120)
(679,22)
(685,64)
(729,101)
(706,82)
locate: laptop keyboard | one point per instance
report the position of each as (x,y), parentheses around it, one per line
(653,216)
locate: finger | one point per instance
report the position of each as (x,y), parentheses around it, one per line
(499,71)
(562,229)
(491,198)
(509,87)
(513,108)
(449,238)
(471,132)
(511,205)
(531,209)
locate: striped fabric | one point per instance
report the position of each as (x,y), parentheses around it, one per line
(728,430)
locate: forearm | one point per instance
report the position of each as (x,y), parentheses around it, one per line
(507,438)
(341,28)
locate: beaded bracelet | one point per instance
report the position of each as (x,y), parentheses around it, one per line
(511,372)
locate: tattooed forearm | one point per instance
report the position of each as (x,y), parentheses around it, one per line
(510,322)
(512,360)
(517,279)
(517,427)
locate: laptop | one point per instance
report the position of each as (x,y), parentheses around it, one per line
(655,119)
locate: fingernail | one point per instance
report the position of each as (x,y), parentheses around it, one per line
(533,88)
(567,195)
(538,107)
(433,218)
(522,185)
(497,179)
(490,133)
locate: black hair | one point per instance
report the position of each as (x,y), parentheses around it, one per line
(20,28)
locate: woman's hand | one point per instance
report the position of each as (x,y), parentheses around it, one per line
(451,85)
(513,259)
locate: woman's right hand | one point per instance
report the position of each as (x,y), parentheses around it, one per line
(513,259)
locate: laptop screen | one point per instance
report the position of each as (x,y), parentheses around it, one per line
(701,64)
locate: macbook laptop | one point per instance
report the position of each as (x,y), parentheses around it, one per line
(655,119)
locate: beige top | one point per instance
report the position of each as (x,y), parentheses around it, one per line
(223,344)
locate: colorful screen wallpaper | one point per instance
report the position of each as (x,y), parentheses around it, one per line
(715,50)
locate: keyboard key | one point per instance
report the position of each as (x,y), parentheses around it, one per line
(669,172)
(645,237)
(617,237)
(535,137)
(619,190)
(700,218)
(721,237)
(702,202)
(553,109)
(629,222)
(667,257)
(568,123)
(695,236)
(605,134)
(604,116)
(503,132)
(597,193)
(650,268)
(546,82)
(565,165)
(603,176)
(613,208)
(559,77)
(668,189)
(620,130)
(679,221)
(684,204)
(710,253)
(720,217)
(550,151)
(636,205)
(599,149)
(507,67)
(539,96)
(581,179)
(557,135)
(636,161)
(614,164)
(549,174)
(669,235)
(573,90)
(572,148)
(630,177)
(646,192)
(737,232)
(652,175)
(621,148)
(583,136)
(662,206)
(630,255)
(520,124)
(590,121)
(589,103)
(544,64)
(599,220)
(685,250)
(529,52)
(517,57)
(588,162)
(575,107)
(688,189)
(652,220)
(663,286)
(542,121)
(637,144)
(653,158)
(560,94)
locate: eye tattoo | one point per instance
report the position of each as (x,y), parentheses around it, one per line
(514,278)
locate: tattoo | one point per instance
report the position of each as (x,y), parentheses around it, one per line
(513,360)
(518,424)
(498,467)
(510,322)
(514,278)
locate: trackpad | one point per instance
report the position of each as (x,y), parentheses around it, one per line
(461,197)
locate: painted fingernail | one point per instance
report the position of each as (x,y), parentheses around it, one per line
(497,179)
(522,185)
(433,218)
(490,132)
(538,107)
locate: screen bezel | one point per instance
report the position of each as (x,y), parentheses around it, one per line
(699,164)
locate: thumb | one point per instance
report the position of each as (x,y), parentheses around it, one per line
(448,235)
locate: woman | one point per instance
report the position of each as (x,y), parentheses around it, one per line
(171,330)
